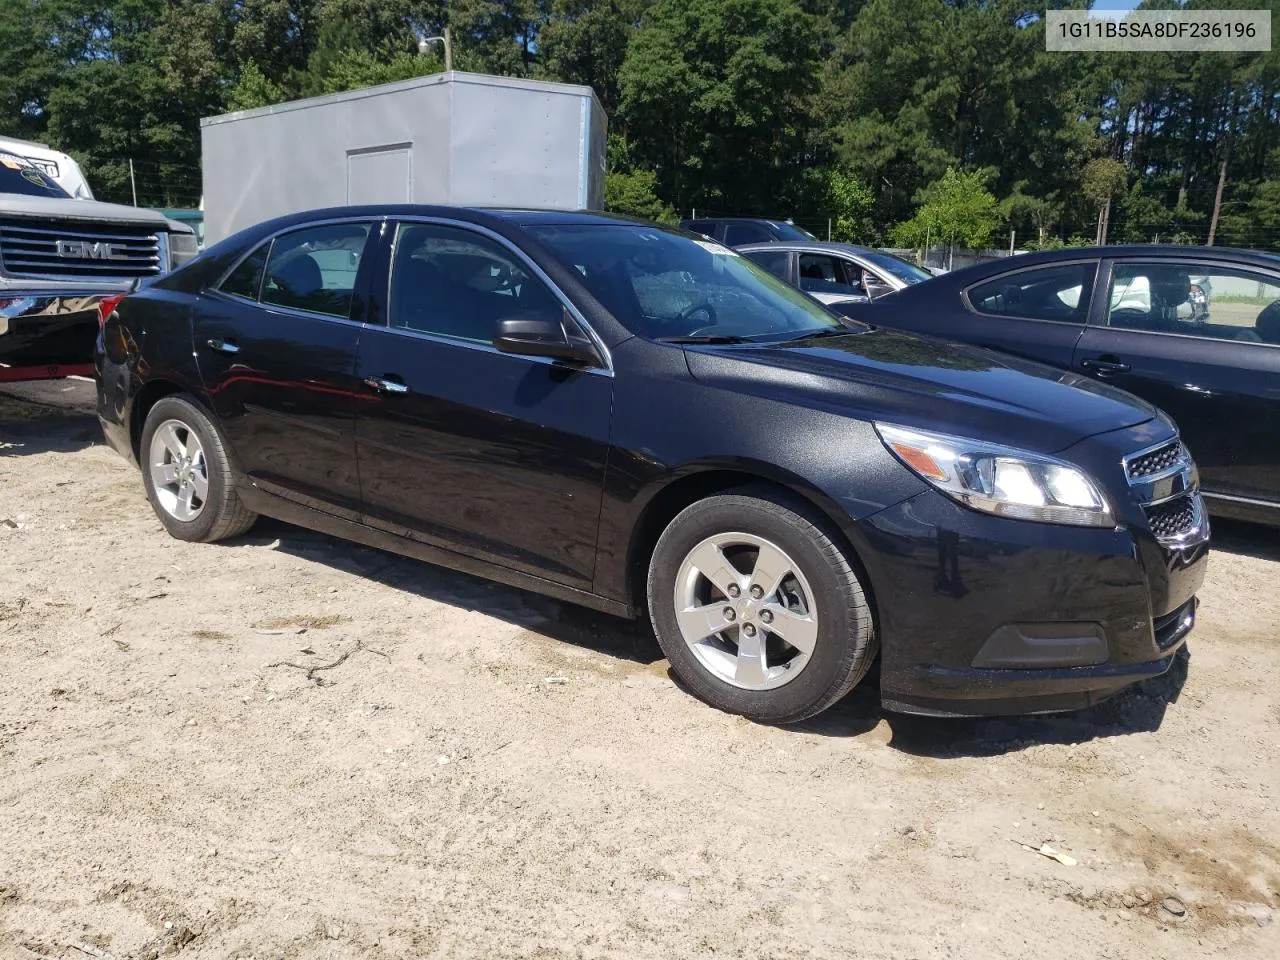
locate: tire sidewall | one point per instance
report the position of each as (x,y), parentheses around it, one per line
(191,416)
(838,638)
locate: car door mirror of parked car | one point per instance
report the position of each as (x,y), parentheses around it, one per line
(876,287)
(541,336)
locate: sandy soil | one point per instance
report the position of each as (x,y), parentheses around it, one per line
(491,774)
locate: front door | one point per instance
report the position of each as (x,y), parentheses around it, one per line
(276,346)
(1201,341)
(496,456)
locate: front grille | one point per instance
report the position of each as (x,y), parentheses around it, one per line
(78,251)
(1174,519)
(1165,483)
(1155,461)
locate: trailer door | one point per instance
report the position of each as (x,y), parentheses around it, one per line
(380,175)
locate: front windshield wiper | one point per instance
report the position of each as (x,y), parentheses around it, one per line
(824,332)
(705,338)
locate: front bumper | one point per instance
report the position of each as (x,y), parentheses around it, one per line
(982,615)
(40,328)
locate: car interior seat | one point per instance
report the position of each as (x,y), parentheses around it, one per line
(1267,326)
(299,281)
(1170,289)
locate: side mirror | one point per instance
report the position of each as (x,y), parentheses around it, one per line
(541,336)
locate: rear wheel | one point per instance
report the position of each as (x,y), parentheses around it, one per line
(187,474)
(758,609)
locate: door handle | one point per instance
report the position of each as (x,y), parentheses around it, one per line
(223,346)
(1103,367)
(383,385)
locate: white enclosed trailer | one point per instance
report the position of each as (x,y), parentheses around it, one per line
(450,138)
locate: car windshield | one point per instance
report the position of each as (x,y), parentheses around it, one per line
(904,270)
(17,175)
(789,231)
(665,285)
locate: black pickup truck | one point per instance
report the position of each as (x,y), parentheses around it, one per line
(59,257)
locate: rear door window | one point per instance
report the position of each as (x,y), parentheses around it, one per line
(1060,292)
(314,269)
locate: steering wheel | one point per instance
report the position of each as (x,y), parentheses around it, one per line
(703,307)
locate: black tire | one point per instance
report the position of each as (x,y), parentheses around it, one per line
(846,641)
(223,515)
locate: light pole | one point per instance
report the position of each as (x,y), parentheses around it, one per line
(424,44)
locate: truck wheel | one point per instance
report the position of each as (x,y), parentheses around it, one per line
(187,474)
(758,610)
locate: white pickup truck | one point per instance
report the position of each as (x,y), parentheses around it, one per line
(59,257)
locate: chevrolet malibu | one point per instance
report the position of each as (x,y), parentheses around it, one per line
(623,416)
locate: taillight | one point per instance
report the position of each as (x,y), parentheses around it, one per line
(106,307)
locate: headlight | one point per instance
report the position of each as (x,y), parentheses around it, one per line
(182,247)
(1000,480)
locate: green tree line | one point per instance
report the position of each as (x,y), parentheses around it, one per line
(890,120)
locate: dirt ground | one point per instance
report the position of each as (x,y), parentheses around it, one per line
(492,774)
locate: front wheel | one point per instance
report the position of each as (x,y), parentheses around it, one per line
(758,608)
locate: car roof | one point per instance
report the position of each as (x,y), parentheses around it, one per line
(531,217)
(805,245)
(1117,251)
(772,220)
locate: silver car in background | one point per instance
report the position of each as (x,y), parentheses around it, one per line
(835,273)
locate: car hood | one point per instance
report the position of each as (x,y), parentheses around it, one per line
(58,208)
(922,382)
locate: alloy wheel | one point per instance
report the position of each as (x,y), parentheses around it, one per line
(746,611)
(179,473)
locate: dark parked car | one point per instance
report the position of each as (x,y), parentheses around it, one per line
(737,231)
(1193,330)
(617,415)
(835,272)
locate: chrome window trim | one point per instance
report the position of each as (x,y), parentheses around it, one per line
(522,257)
(272,308)
(483,347)
(1085,289)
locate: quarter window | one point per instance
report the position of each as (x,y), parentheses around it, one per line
(246,279)
(315,269)
(1198,299)
(455,283)
(1050,293)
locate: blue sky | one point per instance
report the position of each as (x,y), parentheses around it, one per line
(1113,8)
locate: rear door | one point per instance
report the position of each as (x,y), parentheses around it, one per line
(1036,312)
(276,345)
(1201,340)
(495,456)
